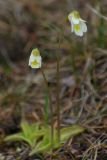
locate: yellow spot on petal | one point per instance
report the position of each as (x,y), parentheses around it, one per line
(36,52)
(35,63)
(77,27)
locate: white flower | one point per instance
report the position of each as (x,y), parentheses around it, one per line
(78,25)
(35,59)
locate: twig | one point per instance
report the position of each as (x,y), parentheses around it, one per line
(96,12)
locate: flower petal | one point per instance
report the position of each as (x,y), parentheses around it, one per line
(83,26)
(36,63)
(75,20)
(78,33)
(81,20)
(77,30)
(32,57)
(35,52)
(72,27)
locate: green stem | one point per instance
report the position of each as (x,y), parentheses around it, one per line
(51,109)
(58,93)
(46,109)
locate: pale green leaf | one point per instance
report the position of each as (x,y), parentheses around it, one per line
(68,132)
(43,145)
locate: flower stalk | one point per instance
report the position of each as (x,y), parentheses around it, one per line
(58,92)
(51,108)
